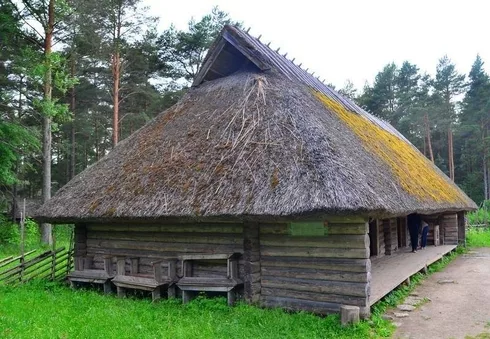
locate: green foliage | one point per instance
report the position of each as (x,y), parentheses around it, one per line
(10,237)
(28,312)
(184,50)
(478,237)
(14,141)
(481,215)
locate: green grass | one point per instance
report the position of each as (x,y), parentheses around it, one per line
(478,237)
(51,310)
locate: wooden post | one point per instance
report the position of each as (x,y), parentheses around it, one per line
(186,296)
(156,294)
(53,256)
(133,268)
(121,270)
(172,273)
(437,236)
(232,274)
(349,315)
(252,265)
(157,271)
(22,239)
(461,229)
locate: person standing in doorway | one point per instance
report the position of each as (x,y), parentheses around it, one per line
(413,223)
(424,231)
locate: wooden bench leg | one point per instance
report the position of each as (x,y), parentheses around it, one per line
(171,292)
(121,292)
(231,298)
(107,287)
(156,293)
(73,284)
(186,296)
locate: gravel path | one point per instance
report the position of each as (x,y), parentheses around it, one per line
(457,304)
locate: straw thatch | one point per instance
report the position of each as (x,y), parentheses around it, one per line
(258,142)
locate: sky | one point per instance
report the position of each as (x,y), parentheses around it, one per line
(353,39)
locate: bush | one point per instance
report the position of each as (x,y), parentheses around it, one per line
(480,216)
(10,237)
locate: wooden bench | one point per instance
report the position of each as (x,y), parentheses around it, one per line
(153,282)
(190,284)
(85,272)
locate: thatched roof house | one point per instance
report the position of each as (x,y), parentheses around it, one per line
(257,140)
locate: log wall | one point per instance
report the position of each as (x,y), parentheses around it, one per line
(149,242)
(390,235)
(312,273)
(449,225)
(317,274)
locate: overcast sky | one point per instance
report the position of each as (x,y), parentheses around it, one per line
(354,39)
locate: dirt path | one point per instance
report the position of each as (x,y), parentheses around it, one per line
(459,303)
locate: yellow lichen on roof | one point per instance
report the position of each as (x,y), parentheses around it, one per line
(415,173)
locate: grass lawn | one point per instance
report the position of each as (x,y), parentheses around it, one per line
(51,310)
(478,237)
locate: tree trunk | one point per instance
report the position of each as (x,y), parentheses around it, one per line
(72,109)
(116,73)
(451,153)
(116,77)
(427,134)
(485,167)
(46,229)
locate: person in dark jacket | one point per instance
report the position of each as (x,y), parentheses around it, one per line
(413,223)
(424,231)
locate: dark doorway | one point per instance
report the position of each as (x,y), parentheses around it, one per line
(373,237)
(402,231)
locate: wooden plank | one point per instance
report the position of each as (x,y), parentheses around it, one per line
(315,274)
(323,297)
(8,261)
(216,51)
(318,286)
(174,228)
(390,271)
(358,253)
(164,247)
(330,241)
(333,228)
(165,237)
(334,264)
(346,220)
(216,256)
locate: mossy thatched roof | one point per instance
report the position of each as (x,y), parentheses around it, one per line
(257,136)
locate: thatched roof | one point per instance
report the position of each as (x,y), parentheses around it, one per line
(257,136)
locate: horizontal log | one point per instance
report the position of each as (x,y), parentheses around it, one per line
(299,305)
(323,297)
(358,253)
(280,228)
(348,228)
(346,219)
(165,247)
(178,228)
(332,228)
(318,286)
(314,274)
(202,238)
(334,264)
(330,241)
